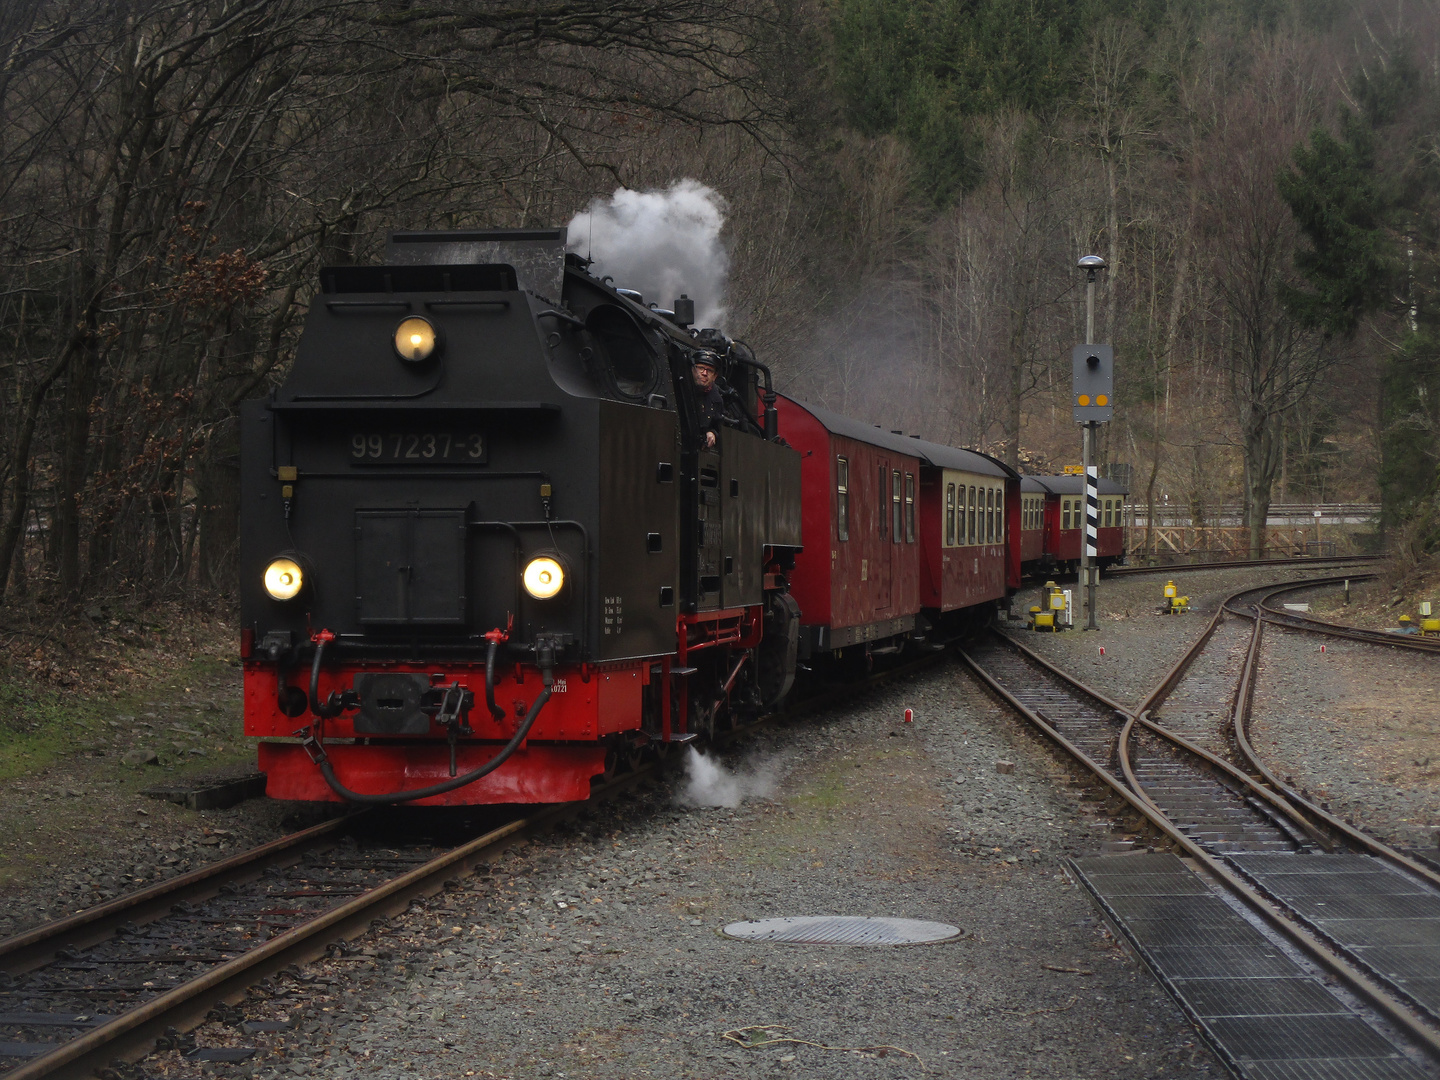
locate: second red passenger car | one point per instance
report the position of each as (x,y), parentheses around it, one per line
(898,533)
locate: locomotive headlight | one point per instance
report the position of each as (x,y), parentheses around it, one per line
(283,579)
(544,577)
(416,339)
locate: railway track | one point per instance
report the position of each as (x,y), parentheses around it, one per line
(1344,903)
(111,980)
(1295,620)
(99,988)
(1124,571)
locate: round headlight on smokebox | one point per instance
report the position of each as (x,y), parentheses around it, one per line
(417,339)
(544,577)
(284,579)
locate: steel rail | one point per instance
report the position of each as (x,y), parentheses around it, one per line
(1295,806)
(1393,1009)
(1239,727)
(1141,717)
(36,947)
(1177,672)
(1125,571)
(132,1034)
(1296,621)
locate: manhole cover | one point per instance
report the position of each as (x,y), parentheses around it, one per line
(843,930)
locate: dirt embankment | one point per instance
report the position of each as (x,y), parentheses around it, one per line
(97,705)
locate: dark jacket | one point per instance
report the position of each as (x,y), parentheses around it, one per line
(712,408)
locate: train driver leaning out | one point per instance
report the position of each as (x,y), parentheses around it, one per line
(706,368)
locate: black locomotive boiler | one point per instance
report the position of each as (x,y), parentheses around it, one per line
(485,552)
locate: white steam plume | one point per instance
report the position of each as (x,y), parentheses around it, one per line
(660,243)
(707,783)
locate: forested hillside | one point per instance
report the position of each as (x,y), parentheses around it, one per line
(906,189)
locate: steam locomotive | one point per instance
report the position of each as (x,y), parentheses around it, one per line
(487,555)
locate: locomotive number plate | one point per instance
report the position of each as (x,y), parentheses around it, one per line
(418,448)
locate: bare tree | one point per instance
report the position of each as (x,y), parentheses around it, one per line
(1272,362)
(172,173)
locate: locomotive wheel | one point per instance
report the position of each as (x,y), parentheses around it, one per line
(612,762)
(706,724)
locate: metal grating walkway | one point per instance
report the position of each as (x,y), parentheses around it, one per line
(1377,915)
(1268,1017)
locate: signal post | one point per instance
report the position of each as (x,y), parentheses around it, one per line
(1093,375)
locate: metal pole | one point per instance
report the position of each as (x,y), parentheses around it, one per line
(1087,538)
(1090,308)
(1090,568)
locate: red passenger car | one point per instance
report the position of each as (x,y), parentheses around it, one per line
(1064,522)
(969,508)
(857,579)
(1032,523)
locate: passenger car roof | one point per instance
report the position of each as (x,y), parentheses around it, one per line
(933,454)
(1075,485)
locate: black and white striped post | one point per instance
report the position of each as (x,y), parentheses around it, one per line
(1093,369)
(1089,567)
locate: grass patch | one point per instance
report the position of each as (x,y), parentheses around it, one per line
(40,724)
(96,682)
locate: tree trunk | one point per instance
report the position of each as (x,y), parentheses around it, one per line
(70,478)
(1012,409)
(1112,226)
(1150,487)
(218,506)
(13,528)
(1261,464)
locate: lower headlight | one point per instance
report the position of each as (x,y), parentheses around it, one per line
(283,579)
(544,577)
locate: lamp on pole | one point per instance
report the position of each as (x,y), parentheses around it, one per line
(1092,376)
(1092,265)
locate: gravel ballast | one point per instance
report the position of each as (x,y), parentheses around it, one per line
(596,951)
(1356,727)
(1141,643)
(80,830)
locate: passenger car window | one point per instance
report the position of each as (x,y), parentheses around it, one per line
(895,523)
(909,508)
(949,515)
(971,530)
(880,516)
(842,498)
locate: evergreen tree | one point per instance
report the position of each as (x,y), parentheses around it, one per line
(1334,195)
